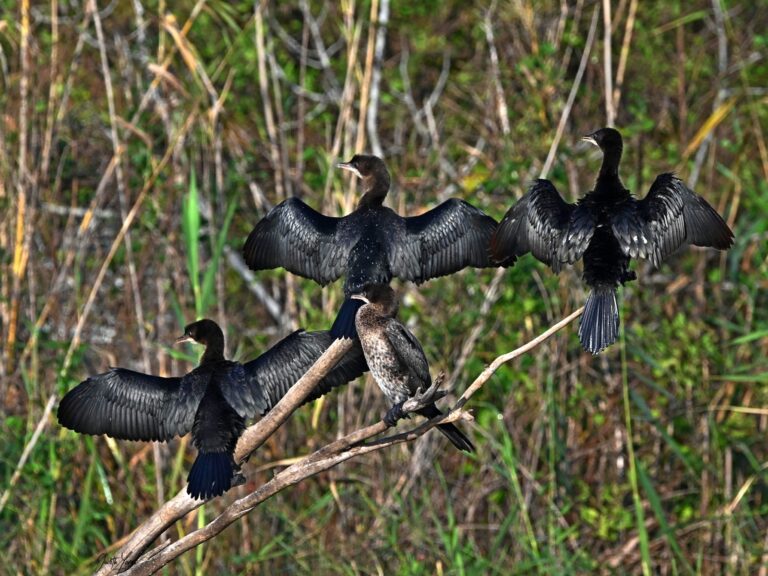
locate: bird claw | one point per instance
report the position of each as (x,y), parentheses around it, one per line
(394,414)
(424,397)
(238,479)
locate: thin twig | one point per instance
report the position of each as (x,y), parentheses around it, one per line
(378,59)
(501,101)
(722,69)
(491,295)
(610,112)
(28,450)
(624,56)
(571,97)
(116,244)
(365,85)
(23,200)
(121,188)
(486,374)
(266,101)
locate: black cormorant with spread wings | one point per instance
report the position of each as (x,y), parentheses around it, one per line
(213,401)
(607,227)
(373,244)
(396,358)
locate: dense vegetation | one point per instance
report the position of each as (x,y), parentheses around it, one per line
(191,119)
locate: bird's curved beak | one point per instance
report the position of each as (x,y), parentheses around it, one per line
(590,139)
(360,297)
(350,167)
(183,338)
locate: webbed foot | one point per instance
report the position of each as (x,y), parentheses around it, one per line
(394,414)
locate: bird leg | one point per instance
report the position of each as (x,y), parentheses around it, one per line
(394,414)
(419,400)
(425,397)
(238,478)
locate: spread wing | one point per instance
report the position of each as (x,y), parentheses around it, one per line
(545,225)
(410,353)
(272,374)
(299,239)
(442,241)
(670,216)
(241,393)
(133,406)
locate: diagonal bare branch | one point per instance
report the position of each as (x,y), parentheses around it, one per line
(252,438)
(127,560)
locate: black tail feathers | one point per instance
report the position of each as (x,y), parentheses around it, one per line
(344,325)
(211,475)
(456,436)
(599,327)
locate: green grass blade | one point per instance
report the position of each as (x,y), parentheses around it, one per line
(510,461)
(190,227)
(207,295)
(645,553)
(658,511)
(84,512)
(692,462)
(751,337)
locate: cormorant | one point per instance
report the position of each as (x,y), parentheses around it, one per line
(396,358)
(372,244)
(213,401)
(607,227)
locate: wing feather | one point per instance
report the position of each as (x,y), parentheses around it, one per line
(442,241)
(273,373)
(130,405)
(299,239)
(545,225)
(410,353)
(670,216)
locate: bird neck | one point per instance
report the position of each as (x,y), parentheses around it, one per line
(214,351)
(375,189)
(609,170)
(379,313)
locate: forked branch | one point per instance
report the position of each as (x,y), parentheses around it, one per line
(355,444)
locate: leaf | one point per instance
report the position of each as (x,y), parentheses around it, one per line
(190,227)
(717,116)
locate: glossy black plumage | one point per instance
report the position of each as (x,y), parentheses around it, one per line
(606,228)
(373,244)
(212,401)
(396,358)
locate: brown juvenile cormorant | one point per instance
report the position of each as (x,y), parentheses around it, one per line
(372,244)
(607,227)
(213,401)
(396,359)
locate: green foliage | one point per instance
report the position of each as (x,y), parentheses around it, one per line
(649,458)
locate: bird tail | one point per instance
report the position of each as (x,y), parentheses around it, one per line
(211,475)
(599,327)
(456,436)
(344,325)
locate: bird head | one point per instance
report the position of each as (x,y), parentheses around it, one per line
(371,170)
(203,332)
(379,296)
(605,139)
